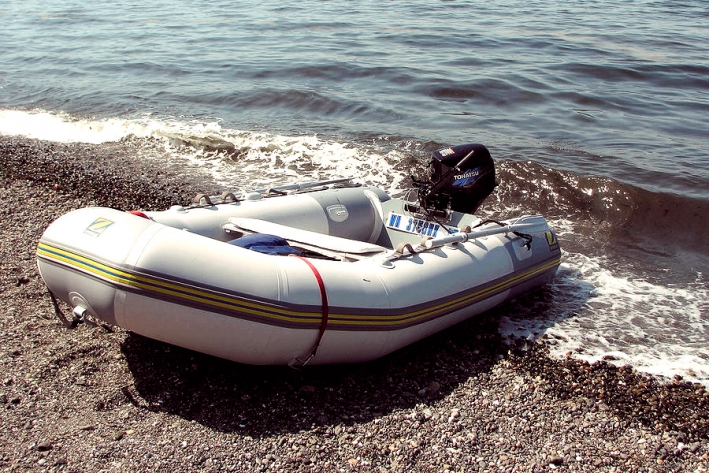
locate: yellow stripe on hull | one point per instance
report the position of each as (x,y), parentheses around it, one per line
(279,314)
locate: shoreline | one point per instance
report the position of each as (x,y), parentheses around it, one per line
(94,399)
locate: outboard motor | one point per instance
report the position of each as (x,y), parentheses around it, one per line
(461,178)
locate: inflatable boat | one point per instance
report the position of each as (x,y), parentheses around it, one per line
(320,272)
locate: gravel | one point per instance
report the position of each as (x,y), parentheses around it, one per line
(98,398)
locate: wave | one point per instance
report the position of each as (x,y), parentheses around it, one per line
(228,156)
(321,107)
(593,313)
(604,201)
(627,215)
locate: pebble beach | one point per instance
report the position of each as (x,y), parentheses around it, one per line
(100,399)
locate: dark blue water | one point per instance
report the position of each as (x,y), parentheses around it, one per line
(596,112)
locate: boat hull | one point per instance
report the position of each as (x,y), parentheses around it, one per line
(201,293)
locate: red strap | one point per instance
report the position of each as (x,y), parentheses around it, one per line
(139,214)
(325,307)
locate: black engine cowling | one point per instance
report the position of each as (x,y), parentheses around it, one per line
(461,178)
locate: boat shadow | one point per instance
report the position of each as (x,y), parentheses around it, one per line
(263,400)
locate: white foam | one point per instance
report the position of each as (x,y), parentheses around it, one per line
(229,156)
(268,159)
(597,314)
(58,127)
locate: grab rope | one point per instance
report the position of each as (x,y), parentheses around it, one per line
(79,317)
(399,251)
(527,237)
(325,311)
(60,315)
(202,200)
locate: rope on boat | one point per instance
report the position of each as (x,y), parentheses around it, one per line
(228,197)
(399,252)
(525,236)
(202,199)
(325,311)
(60,315)
(78,316)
